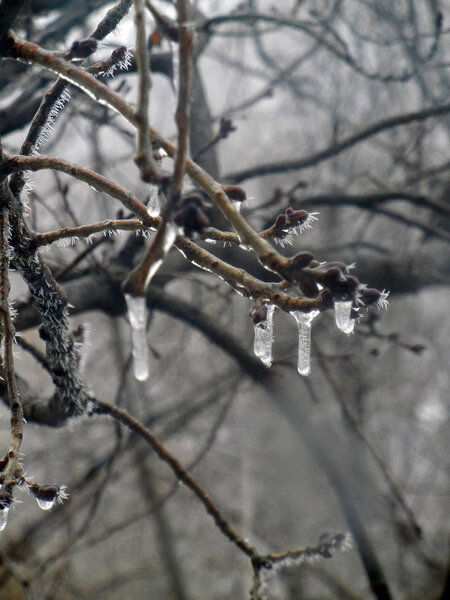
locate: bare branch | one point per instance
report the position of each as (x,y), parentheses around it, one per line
(314,159)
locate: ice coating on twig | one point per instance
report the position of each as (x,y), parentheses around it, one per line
(304,321)
(342,315)
(137,317)
(170,236)
(264,337)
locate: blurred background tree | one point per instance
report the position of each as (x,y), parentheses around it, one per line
(340,107)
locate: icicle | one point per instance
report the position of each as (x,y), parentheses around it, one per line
(137,318)
(3,517)
(175,67)
(154,207)
(342,312)
(46,504)
(304,321)
(264,337)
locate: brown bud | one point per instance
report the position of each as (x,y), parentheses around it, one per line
(258,313)
(236,193)
(301,260)
(84,48)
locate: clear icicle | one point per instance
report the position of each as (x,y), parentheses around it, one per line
(304,321)
(264,337)
(137,318)
(3,517)
(175,67)
(154,206)
(46,504)
(342,312)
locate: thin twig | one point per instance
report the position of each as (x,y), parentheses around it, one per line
(137,281)
(95,180)
(122,416)
(13,468)
(144,160)
(31,53)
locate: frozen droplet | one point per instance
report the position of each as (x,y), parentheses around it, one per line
(342,313)
(3,517)
(264,337)
(304,321)
(137,317)
(46,504)
(154,206)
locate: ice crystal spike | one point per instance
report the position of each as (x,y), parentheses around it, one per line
(46,504)
(137,318)
(154,207)
(342,312)
(3,517)
(264,337)
(304,321)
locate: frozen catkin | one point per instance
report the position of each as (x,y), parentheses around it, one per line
(264,337)
(137,317)
(304,321)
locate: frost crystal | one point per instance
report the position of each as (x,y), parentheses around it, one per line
(342,312)
(304,321)
(382,301)
(137,318)
(264,337)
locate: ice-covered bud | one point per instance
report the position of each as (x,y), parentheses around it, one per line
(339,265)
(326,299)
(308,286)
(235,193)
(258,313)
(47,495)
(371,296)
(299,220)
(190,217)
(84,48)
(345,288)
(301,260)
(332,277)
